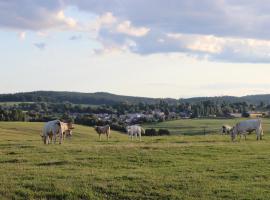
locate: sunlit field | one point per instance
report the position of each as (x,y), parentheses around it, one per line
(186,165)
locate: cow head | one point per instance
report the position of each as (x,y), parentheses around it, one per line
(127,128)
(223,129)
(70,125)
(68,133)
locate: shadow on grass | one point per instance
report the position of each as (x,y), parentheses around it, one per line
(53,163)
(13,161)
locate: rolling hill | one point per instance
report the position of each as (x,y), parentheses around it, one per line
(100,98)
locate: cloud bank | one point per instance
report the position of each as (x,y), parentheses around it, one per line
(218,30)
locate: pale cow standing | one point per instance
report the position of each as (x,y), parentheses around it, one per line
(135,130)
(245,127)
(103,130)
(226,129)
(53,128)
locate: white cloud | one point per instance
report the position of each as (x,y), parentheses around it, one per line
(66,21)
(224,30)
(224,48)
(22,35)
(126,28)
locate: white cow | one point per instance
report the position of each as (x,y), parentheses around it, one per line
(246,127)
(53,128)
(226,129)
(135,130)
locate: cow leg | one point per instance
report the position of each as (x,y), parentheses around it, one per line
(258,133)
(64,135)
(261,133)
(60,138)
(54,138)
(99,136)
(45,139)
(140,136)
(50,138)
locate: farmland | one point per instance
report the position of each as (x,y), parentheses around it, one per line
(185,165)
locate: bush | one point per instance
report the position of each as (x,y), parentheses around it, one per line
(154,132)
(150,132)
(163,132)
(118,127)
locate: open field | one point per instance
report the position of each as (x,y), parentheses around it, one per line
(171,167)
(199,126)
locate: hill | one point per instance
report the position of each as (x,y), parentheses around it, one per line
(100,98)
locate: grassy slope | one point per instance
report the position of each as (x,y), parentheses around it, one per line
(175,167)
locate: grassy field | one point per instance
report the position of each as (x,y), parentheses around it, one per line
(184,166)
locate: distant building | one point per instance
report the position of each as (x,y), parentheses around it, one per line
(253,114)
(235,115)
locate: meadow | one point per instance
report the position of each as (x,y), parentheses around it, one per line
(185,165)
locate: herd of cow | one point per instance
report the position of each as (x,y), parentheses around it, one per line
(57,128)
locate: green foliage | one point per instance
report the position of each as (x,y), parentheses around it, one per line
(150,132)
(163,132)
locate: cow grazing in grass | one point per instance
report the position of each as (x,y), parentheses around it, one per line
(103,130)
(66,129)
(135,130)
(226,129)
(56,127)
(245,127)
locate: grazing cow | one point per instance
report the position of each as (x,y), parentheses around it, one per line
(135,130)
(103,130)
(226,129)
(66,129)
(53,128)
(246,127)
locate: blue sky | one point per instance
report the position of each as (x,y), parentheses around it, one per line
(155,48)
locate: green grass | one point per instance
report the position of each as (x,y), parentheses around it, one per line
(171,167)
(198,126)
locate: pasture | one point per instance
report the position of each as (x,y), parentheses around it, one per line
(186,165)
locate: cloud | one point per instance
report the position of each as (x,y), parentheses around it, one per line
(126,28)
(34,15)
(22,35)
(222,30)
(75,37)
(40,46)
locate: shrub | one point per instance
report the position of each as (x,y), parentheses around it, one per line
(163,132)
(150,132)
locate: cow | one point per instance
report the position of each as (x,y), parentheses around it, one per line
(52,128)
(245,127)
(66,129)
(135,130)
(226,129)
(103,130)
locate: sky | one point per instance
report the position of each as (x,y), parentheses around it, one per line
(153,48)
